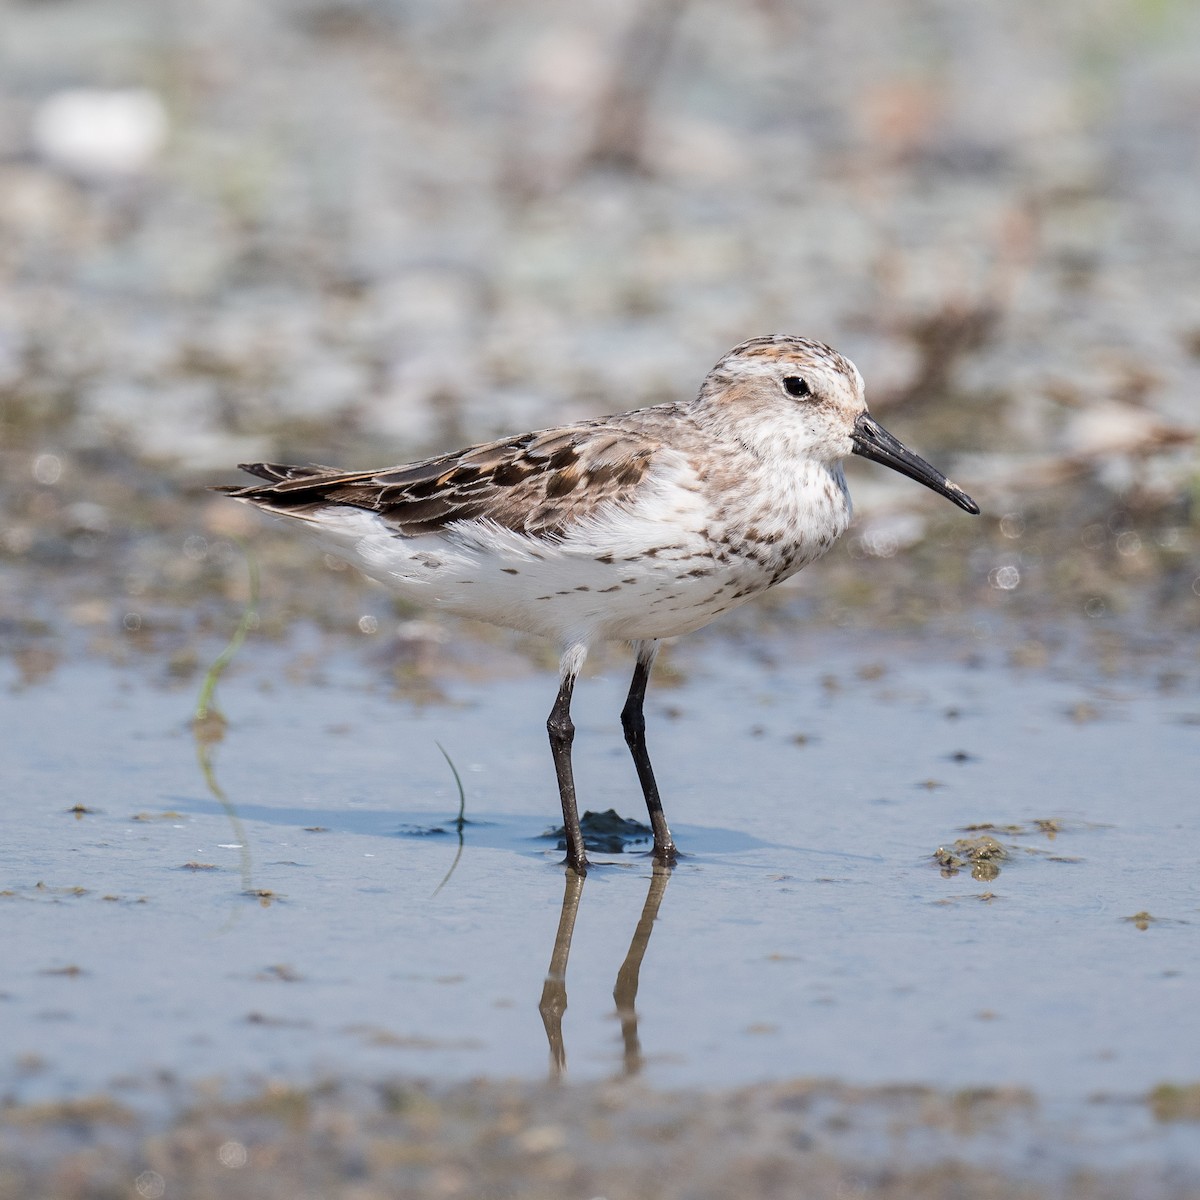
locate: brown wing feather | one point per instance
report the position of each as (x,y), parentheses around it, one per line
(537,483)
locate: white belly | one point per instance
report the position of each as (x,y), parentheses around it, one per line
(583,588)
(664,568)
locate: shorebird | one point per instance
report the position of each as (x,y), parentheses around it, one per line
(634,527)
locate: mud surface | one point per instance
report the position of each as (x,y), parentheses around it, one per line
(618,1140)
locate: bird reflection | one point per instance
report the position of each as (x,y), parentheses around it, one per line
(554,991)
(626,989)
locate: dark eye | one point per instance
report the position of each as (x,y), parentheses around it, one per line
(795,386)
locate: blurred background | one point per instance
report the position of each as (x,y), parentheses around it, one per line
(359,231)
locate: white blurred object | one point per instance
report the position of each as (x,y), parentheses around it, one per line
(1110,427)
(101,131)
(883,535)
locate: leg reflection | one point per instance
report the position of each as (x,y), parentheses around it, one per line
(626,989)
(554,991)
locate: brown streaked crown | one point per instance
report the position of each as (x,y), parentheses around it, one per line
(775,351)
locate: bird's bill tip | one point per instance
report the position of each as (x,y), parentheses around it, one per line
(962,499)
(871,440)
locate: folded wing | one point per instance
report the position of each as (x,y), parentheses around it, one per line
(537,483)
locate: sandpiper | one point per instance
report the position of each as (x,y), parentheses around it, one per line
(634,527)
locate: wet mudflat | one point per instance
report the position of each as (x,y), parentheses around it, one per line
(906,865)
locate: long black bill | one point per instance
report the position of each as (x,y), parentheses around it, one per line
(872,441)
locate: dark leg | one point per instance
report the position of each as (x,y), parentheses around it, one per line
(562,734)
(633,721)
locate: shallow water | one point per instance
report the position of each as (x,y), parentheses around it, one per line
(808,932)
